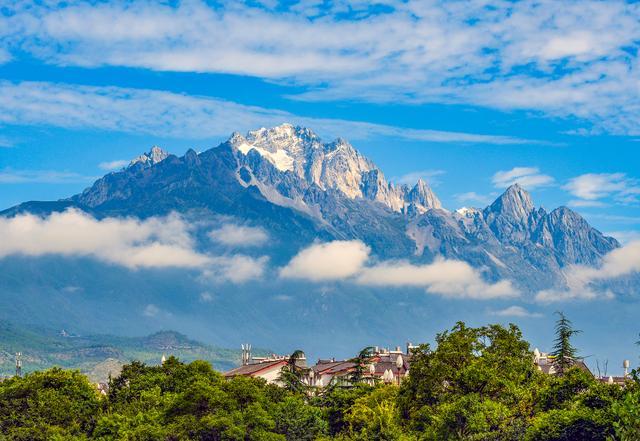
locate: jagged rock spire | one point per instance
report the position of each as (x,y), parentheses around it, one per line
(422,195)
(515,202)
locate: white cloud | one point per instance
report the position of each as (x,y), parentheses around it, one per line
(590,188)
(5,142)
(182,116)
(614,218)
(515,311)
(620,262)
(346,260)
(235,268)
(474,198)
(624,237)
(567,59)
(449,278)
(335,260)
(206,297)
(129,242)
(113,165)
(528,177)
(239,235)
(581,203)
(150,310)
(155,242)
(10,176)
(429,176)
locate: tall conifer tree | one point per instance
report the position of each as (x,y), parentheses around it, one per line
(564,352)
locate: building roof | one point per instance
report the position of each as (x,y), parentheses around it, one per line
(381,362)
(332,367)
(255,368)
(545,363)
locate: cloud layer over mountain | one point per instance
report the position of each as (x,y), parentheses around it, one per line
(344,260)
(157,242)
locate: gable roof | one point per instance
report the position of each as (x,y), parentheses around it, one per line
(256,368)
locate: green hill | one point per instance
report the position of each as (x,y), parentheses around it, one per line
(100,355)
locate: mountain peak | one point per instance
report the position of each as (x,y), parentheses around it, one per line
(515,202)
(152,157)
(422,195)
(285,146)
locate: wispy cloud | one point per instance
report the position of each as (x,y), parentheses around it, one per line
(474,198)
(113,165)
(239,235)
(592,188)
(528,177)
(625,237)
(9,176)
(5,142)
(515,311)
(564,59)
(429,176)
(183,116)
(614,218)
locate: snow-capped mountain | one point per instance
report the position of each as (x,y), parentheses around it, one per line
(331,166)
(301,189)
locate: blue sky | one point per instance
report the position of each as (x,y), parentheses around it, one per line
(473,97)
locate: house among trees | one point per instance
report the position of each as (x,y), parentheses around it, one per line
(371,366)
(547,363)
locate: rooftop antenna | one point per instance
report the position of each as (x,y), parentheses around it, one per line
(18,364)
(246,353)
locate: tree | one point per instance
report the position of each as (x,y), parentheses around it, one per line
(48,405)
(477,384)
(298,421)
(361,363)
(375,417)
(292,374)
(564,354)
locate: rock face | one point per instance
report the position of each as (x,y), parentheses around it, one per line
(301,189)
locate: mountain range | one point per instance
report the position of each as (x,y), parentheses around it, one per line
(288,181)
(299,189)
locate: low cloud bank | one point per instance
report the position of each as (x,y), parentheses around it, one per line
(335,260)
(239,235)
(621,262)
(346,260)
(158,242)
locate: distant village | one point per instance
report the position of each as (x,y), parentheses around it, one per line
(383,365)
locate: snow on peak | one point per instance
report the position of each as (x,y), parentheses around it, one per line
(152,157)
(285,146)
(335,165)
(467,211)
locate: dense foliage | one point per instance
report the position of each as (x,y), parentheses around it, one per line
(474,384)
